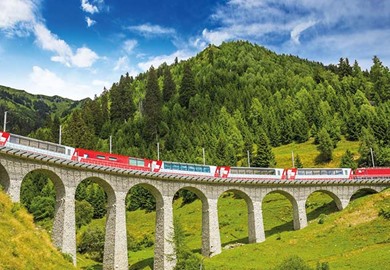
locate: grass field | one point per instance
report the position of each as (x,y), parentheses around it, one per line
(308,152)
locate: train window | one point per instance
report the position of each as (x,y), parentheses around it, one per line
(34,144)
(199,168)
(101,157)
(316,172)
(300,172)
(52,148)
(140,162)
(112,159)
(167,166)
(43,145)
(339,172)
(24,142)
(326,172)
(14,139)
(206,169)
(191,168)
(61,150)
(183,167)
(133,162)
(233,171)
(175,166)
(309,172)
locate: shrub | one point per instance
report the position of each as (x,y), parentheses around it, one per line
(92,242)
(321,219)
(293,263)
(385,212)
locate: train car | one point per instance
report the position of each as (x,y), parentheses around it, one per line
(184,168)
(35,146)
(373,172)
(317,174)
(111,160)
(254,173)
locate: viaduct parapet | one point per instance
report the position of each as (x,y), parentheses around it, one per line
(67,175)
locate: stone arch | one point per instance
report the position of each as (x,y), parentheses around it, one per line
(63,232)
(55,178)
(299,211)
(196,218)
(363,191)
(4,178)
(242,235)
(115,235)
(164,257)
(330,206)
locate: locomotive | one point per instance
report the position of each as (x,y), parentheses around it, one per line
(167,167)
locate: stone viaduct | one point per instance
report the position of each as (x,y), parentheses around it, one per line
(66,175)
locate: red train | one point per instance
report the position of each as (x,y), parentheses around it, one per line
(142,164)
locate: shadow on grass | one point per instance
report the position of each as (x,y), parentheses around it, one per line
(93,267)
(288,226)
(144,264)
(326,208)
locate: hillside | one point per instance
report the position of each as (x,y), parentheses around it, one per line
(28,112)
(238,98)
(22,244)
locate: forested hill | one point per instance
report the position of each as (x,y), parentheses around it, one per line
(27,112)
(234,98)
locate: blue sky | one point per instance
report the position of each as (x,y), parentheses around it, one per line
(73,48)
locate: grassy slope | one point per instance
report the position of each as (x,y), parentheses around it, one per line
(308,151)
(355,238)
(22,244)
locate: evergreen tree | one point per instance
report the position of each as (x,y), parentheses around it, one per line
(347,160)
(298,162)
(367,144)
(152,107)
(187,87)
(169,86)
(325,146)
(264,156)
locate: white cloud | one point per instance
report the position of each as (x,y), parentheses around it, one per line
(129,45)
(84,57)
(46,82)
(152,30)
(122,64)
(216,37)
(296,32)
(17,16)
(169,59)
(89,21)
(88,7)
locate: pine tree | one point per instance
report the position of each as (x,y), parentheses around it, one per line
(298,162)
(169,86)
(264,156)
(325,146)
(152,106)
(347,160)
(187,87)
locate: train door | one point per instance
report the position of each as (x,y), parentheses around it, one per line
(156,165)
(289,174)
(222,171)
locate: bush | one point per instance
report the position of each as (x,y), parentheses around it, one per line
(293,263)
(42,208)
(84,213)
(321,219)
(92,242)
(385,212)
